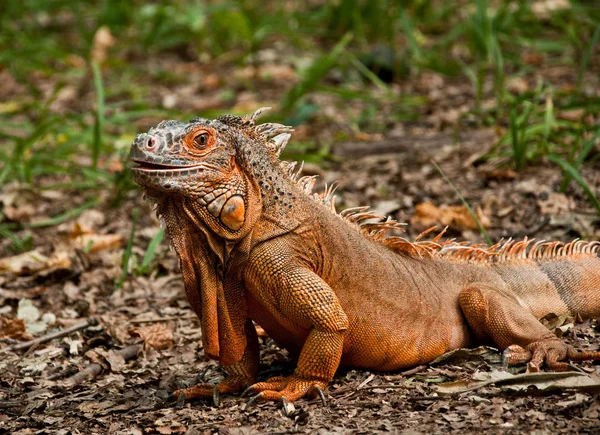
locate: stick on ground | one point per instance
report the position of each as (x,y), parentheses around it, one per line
(95,369)
(51,336)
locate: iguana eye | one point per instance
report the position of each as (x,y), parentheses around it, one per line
(201,140)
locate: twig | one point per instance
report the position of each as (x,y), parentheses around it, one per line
(95,369)
(413,370)
(58,334)
(163,319)
(374,387)
(425,398)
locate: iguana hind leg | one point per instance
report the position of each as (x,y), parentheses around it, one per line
(492,314)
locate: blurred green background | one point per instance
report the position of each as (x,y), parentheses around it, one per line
(78,79)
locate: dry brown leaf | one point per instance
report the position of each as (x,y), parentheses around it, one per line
(455,216)
(541,380)
(458,356)
(544,8)
(26,262)
(94,356)
(517,85)
(501,174)
(103,40)
(556,203)
(34,261)
(14,328)
(156,336)
(532,58)
(114,328)
(113,358)
(571,115)
(97,242)
(552,321)
(19,202)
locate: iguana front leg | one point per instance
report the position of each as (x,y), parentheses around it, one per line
(496,315)
(239,375)
(306,302)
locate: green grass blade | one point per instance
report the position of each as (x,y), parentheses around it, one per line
(514,133)
(482,230)
(99,124)
(370,75)
(575,175)
(585,150)
(18,245)
(409,34)
(149,255)
(69,214)
(587,56)
(318,69)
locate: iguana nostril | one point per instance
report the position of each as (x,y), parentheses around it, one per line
(151,144)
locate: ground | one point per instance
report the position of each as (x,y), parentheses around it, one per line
(82,250)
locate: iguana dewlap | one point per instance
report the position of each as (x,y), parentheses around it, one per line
(256,244)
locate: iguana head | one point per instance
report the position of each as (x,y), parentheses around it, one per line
(222,168)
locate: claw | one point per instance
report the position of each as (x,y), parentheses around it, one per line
(505,356)
(321,394)
(287,407)
(247,391)
(253,400)
(216,396)
(180,400)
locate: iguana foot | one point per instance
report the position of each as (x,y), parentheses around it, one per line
(232,384)
(552,353)
(286,389)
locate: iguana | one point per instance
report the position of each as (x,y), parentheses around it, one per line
(256,245)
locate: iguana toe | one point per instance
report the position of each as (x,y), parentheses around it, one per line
(551,353)
(205,390)
(290,389)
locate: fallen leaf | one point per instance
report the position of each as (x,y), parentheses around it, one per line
(517,85)
(14,329)
(501,174)
(553,321)
(156,336)
(34,321)
(543,8)
(555,204)
(113,358)
(481,353)
(115,328)
(533,58)
(541,380)
(28,263)
(103,40)
(428,215)
(97,242)
(571,115)
(94,356)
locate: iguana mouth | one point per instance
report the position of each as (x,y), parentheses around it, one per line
(149,166)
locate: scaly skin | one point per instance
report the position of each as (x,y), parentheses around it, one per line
(256,245)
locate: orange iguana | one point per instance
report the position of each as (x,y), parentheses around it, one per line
(255,244)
